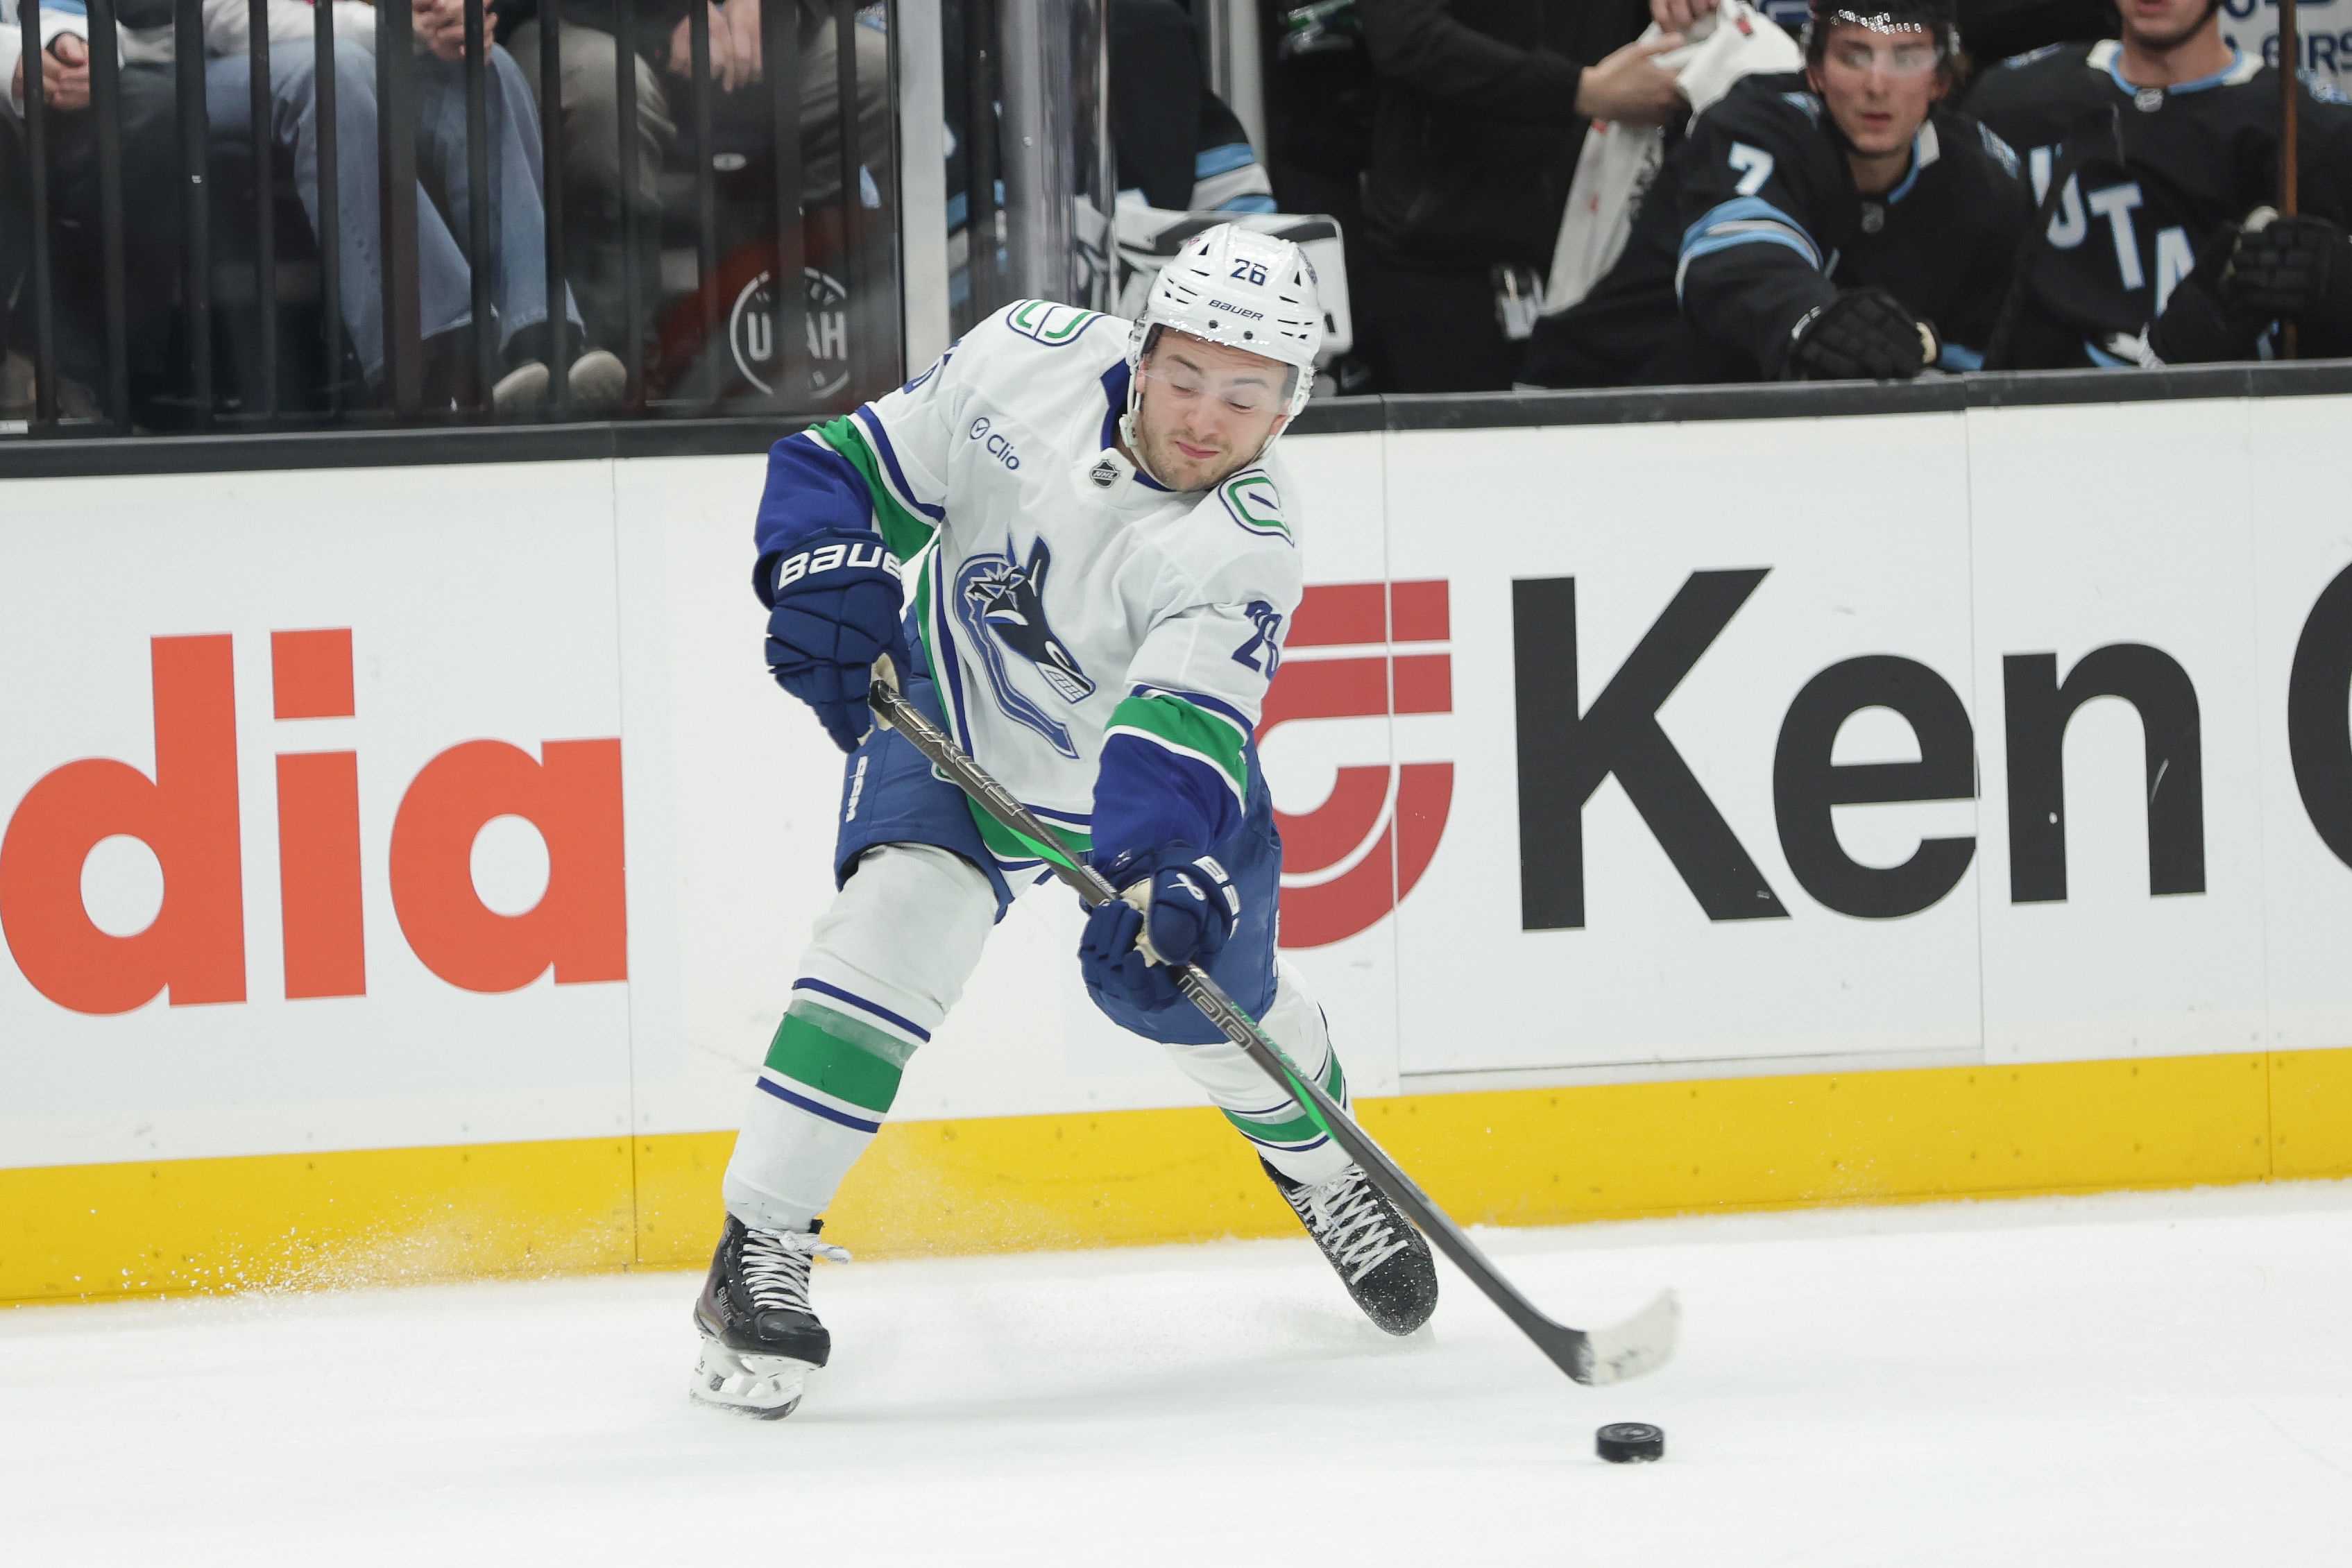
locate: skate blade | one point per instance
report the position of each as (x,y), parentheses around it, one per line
(767,1387)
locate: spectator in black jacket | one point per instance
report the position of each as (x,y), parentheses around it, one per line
(1835,224)
(1482,109)
(2156,156)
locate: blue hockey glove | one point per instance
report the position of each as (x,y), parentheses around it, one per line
(835,604)
(1190,908)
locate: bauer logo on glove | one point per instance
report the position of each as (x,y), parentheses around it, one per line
(833,607)
(811,563)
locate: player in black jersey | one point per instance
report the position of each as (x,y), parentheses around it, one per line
(1836,222)
(2156,158)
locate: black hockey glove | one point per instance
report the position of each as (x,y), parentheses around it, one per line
(2281,269)
(1863,335)
(2213,315)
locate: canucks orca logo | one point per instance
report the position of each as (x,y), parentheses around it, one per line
(1002,603)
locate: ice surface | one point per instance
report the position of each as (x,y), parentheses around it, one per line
(2126,1379)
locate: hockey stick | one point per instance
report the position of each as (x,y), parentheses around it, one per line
(1642,1343)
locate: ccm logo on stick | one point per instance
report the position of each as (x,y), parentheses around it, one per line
(187,814)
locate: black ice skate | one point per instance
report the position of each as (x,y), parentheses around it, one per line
(1379,1257)
(760,1335)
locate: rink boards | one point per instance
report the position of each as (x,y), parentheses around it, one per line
(406,866)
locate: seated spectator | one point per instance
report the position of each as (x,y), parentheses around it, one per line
(1482,110)
(65,81)
(519,277)
(1176,141)
(1834,224)
(846,243)
(150,172)
(518,258)
(2155,156)
(596,197)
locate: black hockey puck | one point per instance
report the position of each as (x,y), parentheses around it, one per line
(1630,1442)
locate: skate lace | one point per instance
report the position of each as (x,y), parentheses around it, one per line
(776,1267)
(1346,1217)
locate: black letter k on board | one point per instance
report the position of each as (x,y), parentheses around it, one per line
(1565,752)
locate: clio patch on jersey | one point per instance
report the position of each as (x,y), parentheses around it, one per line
(1254,503)
(832,557)
(995,443)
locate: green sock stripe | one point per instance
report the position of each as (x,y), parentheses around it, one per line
(1305,1124)
(904,532)
(1298,1130)
(839,1056)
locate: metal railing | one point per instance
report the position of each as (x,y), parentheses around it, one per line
(719,338)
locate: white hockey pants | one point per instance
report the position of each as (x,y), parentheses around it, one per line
(887,962)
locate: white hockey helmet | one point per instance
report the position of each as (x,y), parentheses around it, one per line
(1244,291)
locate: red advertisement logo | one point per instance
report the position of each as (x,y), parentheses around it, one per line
(187,815)
(1353,859)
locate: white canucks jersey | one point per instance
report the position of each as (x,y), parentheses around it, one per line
(1101,644)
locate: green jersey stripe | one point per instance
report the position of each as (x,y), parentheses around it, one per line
(903,529)
(838,1054)
(1191,732)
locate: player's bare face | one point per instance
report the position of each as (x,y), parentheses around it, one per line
(1878,86)
(2161,26)
(1207,410)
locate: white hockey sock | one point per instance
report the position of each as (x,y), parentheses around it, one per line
(1276,1125)
(887,960)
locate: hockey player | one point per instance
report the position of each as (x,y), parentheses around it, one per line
(2156,158)
(1837,222)
(1114,568)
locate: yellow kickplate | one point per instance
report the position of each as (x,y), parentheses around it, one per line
(1135,1177)
(354,1217)
(2311,1111)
